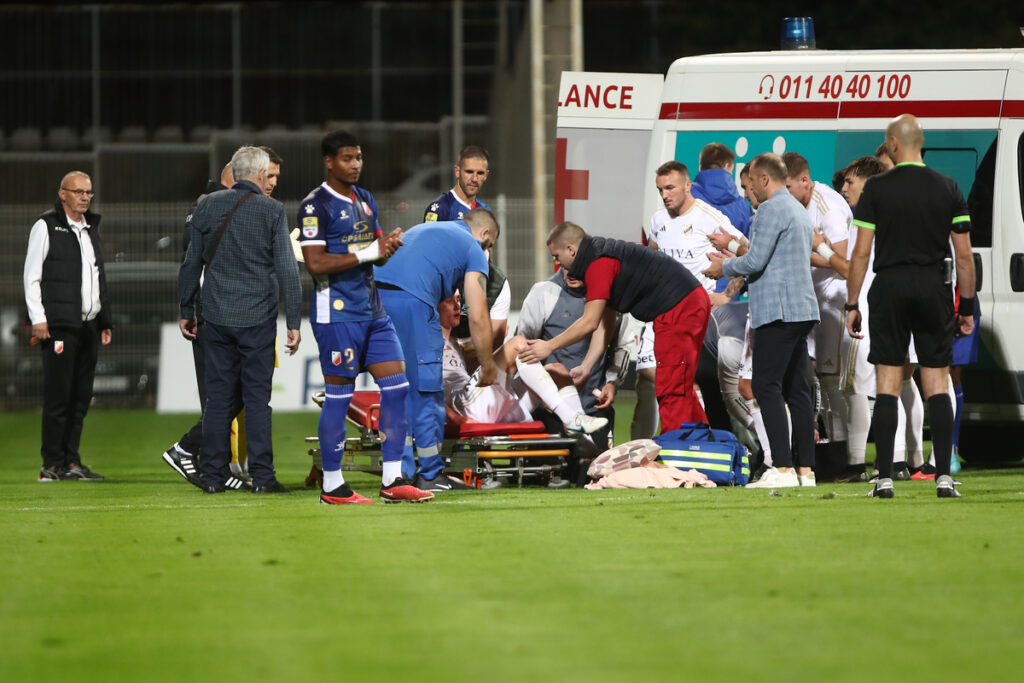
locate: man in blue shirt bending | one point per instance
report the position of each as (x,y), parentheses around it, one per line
(437,258)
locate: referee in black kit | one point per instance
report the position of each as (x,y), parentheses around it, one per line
(914,212)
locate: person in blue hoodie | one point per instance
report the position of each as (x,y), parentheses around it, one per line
(716,185)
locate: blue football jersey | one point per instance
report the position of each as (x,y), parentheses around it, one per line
(344,225)
(448,207)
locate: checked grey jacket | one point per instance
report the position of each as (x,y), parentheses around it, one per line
(251,268)
(778,265)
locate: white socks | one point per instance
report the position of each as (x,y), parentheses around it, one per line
(859,406)
(837,414)
(645,414)
(762,434)
(333,480)
(910,397)
(539,382)
(392,471)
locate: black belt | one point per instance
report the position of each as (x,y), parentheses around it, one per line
(387,285)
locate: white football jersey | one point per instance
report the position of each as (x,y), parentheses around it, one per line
(685,237)
(832,215)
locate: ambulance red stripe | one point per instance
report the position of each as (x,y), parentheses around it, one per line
(841,110)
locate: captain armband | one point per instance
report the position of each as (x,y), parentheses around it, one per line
(370,253)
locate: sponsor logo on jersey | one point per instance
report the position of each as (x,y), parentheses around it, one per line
(434,206)
(336,357)
(308,208)
(460,215)
(344,215)
(309,232)
(58,347)
(431,216)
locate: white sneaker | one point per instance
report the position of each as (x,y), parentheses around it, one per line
(807,479)
(773,479)
(585,424)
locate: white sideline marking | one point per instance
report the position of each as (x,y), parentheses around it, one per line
(110,508)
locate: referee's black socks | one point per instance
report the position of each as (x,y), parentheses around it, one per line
(883,426)
(940,418)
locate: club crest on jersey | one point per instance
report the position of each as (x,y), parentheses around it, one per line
(366,209)
(308,208)
(58,347)
(336,357)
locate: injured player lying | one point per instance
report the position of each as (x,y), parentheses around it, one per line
(519,388)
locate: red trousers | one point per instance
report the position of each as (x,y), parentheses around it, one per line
(678,336)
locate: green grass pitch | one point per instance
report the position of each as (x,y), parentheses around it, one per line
(144,578)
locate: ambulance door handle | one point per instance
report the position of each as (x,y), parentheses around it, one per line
(1017,272)
(978,280)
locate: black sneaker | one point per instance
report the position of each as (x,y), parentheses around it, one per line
(51,473)
(80,472)
(185,465)
(852,473)
(233,483)
(229,484)
(883,489)
(944,487)
(272,486)
(441,482)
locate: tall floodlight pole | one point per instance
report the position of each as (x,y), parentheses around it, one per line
(458,67)
(540,203)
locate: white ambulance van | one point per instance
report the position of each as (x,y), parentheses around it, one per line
(831,107)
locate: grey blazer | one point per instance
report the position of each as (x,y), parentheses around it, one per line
(778,265)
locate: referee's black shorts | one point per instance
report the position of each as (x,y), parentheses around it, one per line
(907,300)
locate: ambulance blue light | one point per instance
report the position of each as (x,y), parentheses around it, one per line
(798,33)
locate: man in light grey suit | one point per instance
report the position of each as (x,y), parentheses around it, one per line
(783,311)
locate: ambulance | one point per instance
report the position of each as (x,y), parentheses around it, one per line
(615,129)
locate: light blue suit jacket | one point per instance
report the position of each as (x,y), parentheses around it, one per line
(778,265)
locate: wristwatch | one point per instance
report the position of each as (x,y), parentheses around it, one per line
(851,307)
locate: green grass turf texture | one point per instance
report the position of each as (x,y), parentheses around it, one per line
(144,578)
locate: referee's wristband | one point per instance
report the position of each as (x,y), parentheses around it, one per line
(733,246)
(966,307)
(370,253)
(825,251)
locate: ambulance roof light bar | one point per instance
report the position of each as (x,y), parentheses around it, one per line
(798,33)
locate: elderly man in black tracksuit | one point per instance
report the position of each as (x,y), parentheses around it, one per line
(66,295)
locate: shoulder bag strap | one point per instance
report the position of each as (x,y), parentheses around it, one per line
(224,226)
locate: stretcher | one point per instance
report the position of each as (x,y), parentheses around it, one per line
(483,455)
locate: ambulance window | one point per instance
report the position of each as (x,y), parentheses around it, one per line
(979,200)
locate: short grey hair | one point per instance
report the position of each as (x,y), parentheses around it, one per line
(247,162)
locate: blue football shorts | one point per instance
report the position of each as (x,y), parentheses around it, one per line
(350,347)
